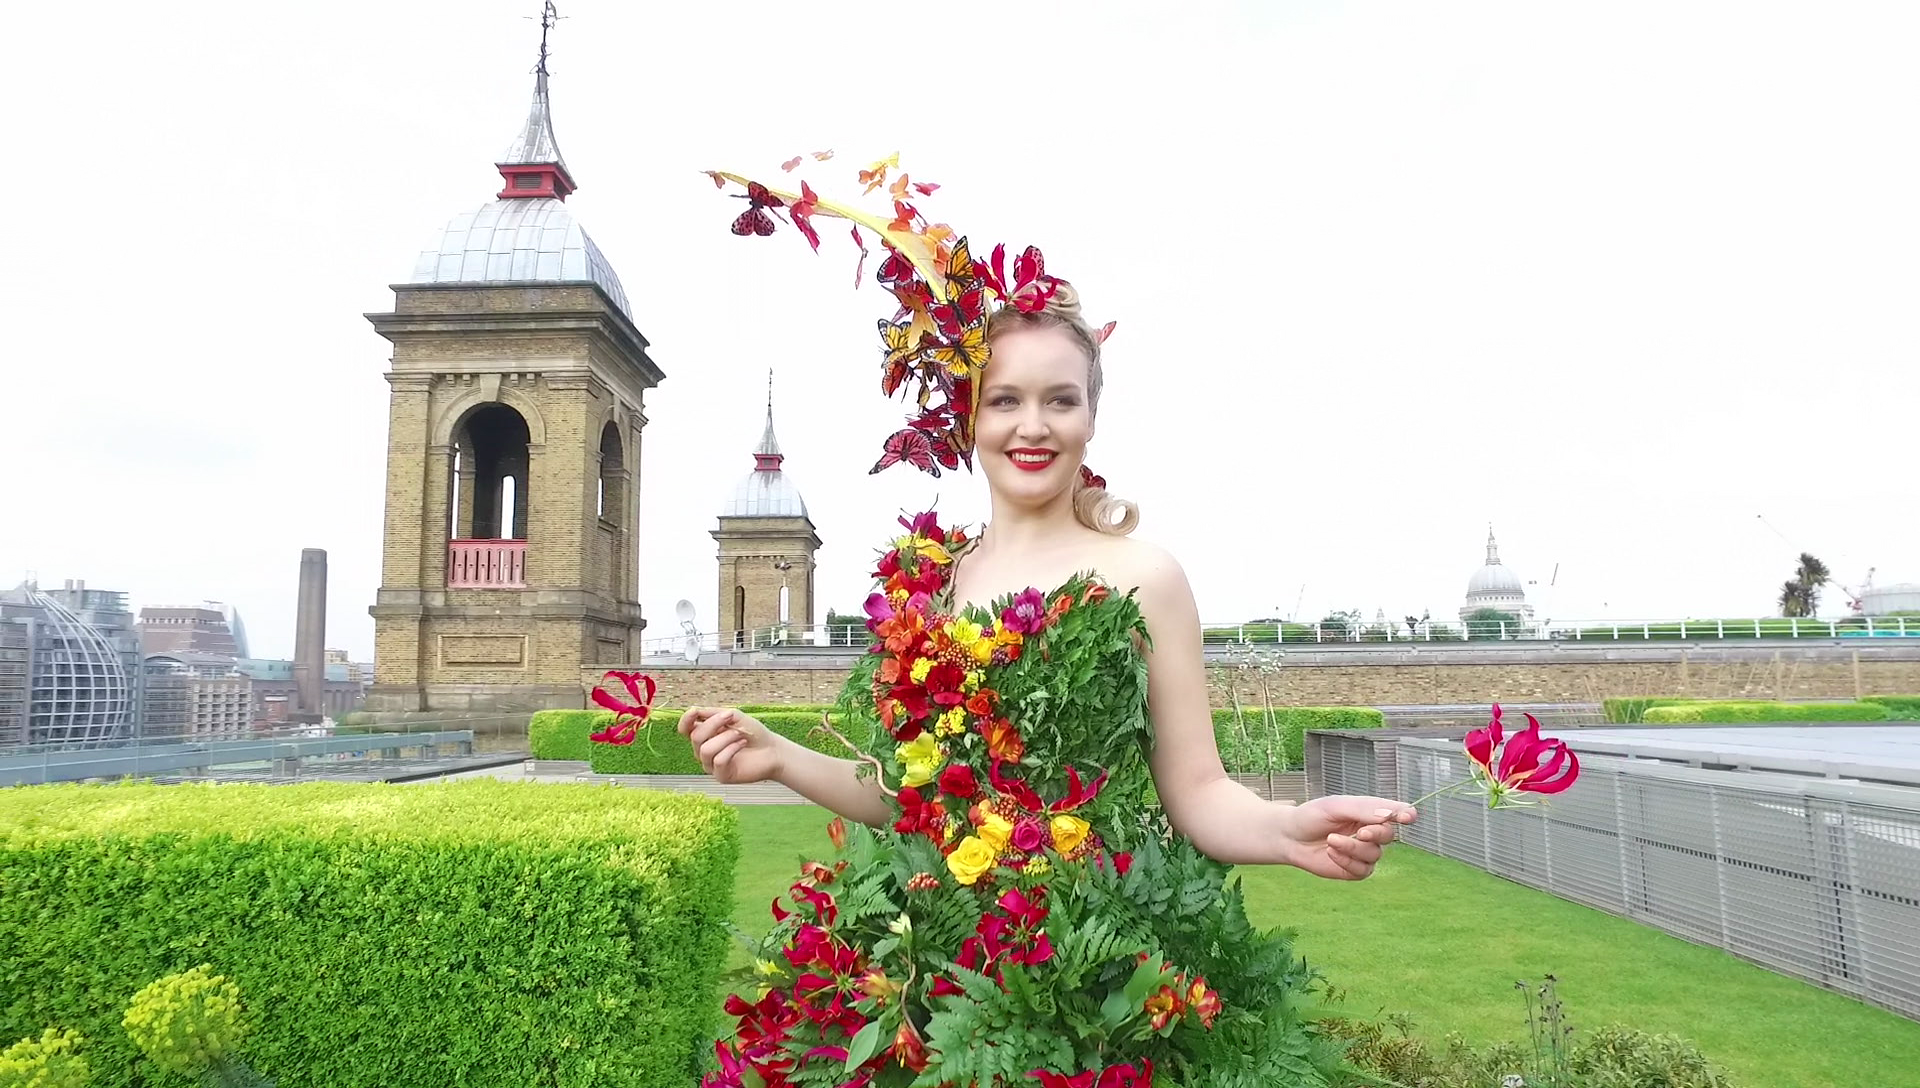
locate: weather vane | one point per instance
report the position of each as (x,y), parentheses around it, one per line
(549,15)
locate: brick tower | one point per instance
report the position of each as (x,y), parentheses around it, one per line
(766,549)
(513,454)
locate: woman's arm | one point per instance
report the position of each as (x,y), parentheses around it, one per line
(737,748)
(1337,837)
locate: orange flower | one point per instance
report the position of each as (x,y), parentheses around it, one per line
(1095,592)
(908,1048)
(1163,1007)
(837,833)
(1004,742)
(889,673)
(1204,1002)
(981,703)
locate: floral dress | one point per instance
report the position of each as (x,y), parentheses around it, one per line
(1029,916)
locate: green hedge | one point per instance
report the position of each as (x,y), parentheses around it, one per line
(1633,711)
(1900,708)
(1245,749)
(479,933)
(1264,633)
(1711,628)
(660,749)
(1687,713)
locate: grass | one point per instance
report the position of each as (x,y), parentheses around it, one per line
(1445,943)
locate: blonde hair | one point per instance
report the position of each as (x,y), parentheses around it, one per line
(1093,507)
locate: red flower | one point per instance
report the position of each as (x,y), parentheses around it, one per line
(1127,1076)
(837,833)
(944,682)
(958,781)
(1022,794)
(1122,862)
(917,814)
(1203,1001)
(1163,1007)
(908,1048)
(1481,742)
(1521,766)
(1077,794)
(981,703)
(628,717)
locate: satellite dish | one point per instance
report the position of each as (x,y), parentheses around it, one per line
(683,611)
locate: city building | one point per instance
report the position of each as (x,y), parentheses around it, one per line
(273,690)
(201,629)
(766,546)
(517,392)
(82,658)
(1496,586)
(203,696)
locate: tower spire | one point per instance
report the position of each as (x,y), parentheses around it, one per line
(532,166)
(1493,549)
(767,456)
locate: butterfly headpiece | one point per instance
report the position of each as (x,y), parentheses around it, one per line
(936,341)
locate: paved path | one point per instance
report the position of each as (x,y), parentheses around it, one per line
(759,793)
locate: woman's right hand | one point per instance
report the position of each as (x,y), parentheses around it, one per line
(733,747)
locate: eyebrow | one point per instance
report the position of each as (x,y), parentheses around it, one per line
(997,387)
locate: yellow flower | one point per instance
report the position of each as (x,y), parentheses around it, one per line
(767,968)
(982,652)
(953,722)
(920,670)
(1039,866)
(1068,832)
(921,757)
(965,632)
(971,860)
(1008,637)
(949,830)
(996,830)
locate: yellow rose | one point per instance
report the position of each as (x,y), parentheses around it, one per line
(983,651)
(971,860)
(996,830)
(920,670)
(1068,832)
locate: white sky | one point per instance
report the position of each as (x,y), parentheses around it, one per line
(1615,277)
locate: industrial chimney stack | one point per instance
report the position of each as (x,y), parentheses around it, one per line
(310,638)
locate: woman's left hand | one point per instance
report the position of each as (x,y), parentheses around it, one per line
(1340,837)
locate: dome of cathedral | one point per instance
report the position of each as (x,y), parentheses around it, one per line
(1495,579)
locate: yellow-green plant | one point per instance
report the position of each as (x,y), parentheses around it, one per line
(51,1061)
(187,1022)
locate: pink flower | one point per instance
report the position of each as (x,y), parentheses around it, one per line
(879,610)
(1028,836)
(1027,614)
(628,717)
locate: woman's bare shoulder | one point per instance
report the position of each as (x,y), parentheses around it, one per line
(1128,562)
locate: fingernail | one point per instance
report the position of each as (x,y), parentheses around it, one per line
(1382,813)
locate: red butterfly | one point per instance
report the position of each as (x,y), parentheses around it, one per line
(755,219)
(907,445)
(967,309)
(1088,479)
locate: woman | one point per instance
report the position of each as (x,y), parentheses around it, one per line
(1038,890)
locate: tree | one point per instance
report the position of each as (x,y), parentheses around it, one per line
(1800,597)
(1491,623)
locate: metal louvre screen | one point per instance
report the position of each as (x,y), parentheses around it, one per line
(1812,878)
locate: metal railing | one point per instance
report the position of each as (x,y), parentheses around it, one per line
(1813,878)
(1217,635)
(486,564)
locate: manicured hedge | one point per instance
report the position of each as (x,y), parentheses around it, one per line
(1245,748)
(1633,711)
(562,734)
(660,749)
(1900,708)
(479,933)
(1686,713)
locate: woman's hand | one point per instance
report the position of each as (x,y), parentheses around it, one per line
(1340,837)
(733,747)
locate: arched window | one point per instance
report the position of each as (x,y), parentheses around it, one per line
(494,438)
(613,470)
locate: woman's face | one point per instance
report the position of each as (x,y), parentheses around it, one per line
(1031,434)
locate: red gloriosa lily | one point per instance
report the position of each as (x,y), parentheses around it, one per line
(628,717)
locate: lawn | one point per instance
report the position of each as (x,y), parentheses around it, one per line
(1444,943)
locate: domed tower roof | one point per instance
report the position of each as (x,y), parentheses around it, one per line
(526,234)
(767,491)
(1495,579)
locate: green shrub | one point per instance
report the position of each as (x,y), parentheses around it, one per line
(1688,713)
(1633,711)
(1711,629)
(1253,746)
(562,734)
(480,933)
(1260,633)
(660,749)
(1900,708)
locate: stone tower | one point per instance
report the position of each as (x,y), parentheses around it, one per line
(767,545)
(513,454)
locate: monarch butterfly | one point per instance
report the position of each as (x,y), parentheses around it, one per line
(968,308)
(962,354)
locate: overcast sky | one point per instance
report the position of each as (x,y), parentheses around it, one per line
(1616,278)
